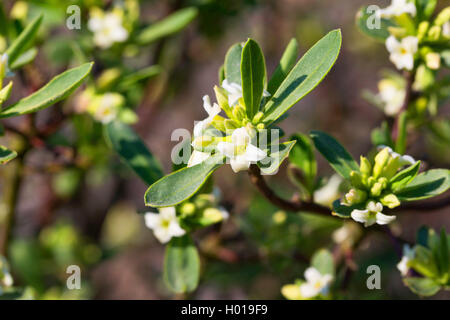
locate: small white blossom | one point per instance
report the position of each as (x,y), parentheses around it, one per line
(329,192)
(212,110)
(397,8)
(402,52)
(371,215)
(165,225)
(404,159)
(240,151)
(234,91)
(197,157)
(392,97)
(316,283)
(107,28)
(107,107)
(408,255)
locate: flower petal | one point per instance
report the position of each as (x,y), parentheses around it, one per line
(384,219)
(253,153)
(312,275)
(239,163)
(152,220)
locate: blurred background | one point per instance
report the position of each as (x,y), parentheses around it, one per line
(84,212)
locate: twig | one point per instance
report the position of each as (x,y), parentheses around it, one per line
(255,177)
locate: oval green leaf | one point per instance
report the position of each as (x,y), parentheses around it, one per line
(339,158)
(133,151)
(426,185)
(56,90)
(253,76)
(20,44)
(182,184)
(181,265)
(305,76)
(232,64)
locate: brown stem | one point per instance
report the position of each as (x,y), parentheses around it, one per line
(11,200)
(256,178)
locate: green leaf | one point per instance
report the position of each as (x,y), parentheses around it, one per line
(287,62)
(323,262)
(24,58)
(20,44)
(232,64)
(137,76)
(182,184)
(6,155)
(3,21)
(424,262)
(425,9)
(422,286)
(426,185)
(305,76)
(341,161)
(443,254)
(168,26)
(302,156)
(271,164)
(133,151)
(253,76)
(56,90)
(401,179)
(5,93)
(365,21)
(181,265)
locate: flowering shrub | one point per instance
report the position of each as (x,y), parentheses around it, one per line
(243,128)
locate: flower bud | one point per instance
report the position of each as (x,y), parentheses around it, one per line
(202,142)
(355,196)
(5,93)
(443,17)
(433,60)
(260,126)
(364,166)
(434,33)
(213,215)
(3,67)
(397,32)
(187,209)
(376,189)
(239,113)
(203,201)
(356,179)
(390,200)
(258,117)
(219,123)
(108,78)
(422,30)
(380,161)
(391,168)
(230,125)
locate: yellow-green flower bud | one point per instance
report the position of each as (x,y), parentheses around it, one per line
(213,215)
(279,217)
(422,30)
(356,179)
(380,161)
(5,93)
(371,181)
(202,142)
(203,201)
(239,113)
(108,78)
(376,189)
(364,166)
(398,32)
(433,60)
(383,181)
(230,124)
(391,168)
(258,117)
(260,126)
(219,123)
(19,11)
(434,33)
(442,17)
(355,196)
(187,209)
(390,200)
(222,100)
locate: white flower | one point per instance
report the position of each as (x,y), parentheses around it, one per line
(240,150)
(165,224)
(408,255)
(197,157)
(371,215)
(234,91)
(392,96)
(402,52)
(107,108)
(316,283)
(212,110)
(404,160)
(446,29)
(397,8)
(107,28)
(329,192)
